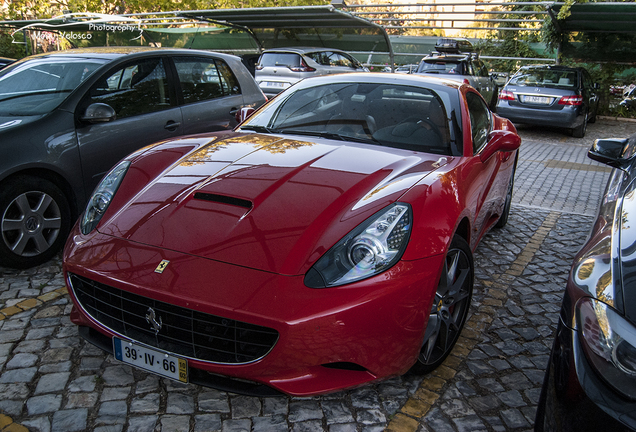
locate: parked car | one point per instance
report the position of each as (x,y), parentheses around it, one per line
(279,68)
(590,381)
(454,59)
(66,118)
(548,95)
(325,243)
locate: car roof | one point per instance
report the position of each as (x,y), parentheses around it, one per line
(447,57)
(110,53)
(379,78)
(551,67)
(300,50)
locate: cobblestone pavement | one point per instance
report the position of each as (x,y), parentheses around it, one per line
(51,380)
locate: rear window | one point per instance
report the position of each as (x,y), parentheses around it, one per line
(442,67)
(279,59)
(545,77)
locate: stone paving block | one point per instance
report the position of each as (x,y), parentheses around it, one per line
(175,423)
(11,407)
(142,423)
(37,405)
(240,425)
(307,426)
(212,423)
(300,411)
(245,406)
(336,412)
(52,382)
(69,420)
(215,401)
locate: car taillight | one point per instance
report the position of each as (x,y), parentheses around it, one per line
(571,100)
(466,81)
(302,68)
(506,95)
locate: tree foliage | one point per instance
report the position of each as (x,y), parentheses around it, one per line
(38,9)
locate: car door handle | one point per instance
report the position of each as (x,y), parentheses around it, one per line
(172,125)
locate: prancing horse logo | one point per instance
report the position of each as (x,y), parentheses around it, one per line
(151,317)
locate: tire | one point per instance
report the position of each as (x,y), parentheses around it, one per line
(35,219)
(449,309)
(503,219)
(579,131)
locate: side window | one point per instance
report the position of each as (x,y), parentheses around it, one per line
(229,82)
(137,88)
(199,79)
(322,58)
(340,60)
(480,121)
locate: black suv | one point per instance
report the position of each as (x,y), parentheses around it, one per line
(454,59)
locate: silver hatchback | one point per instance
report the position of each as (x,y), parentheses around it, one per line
(279,68)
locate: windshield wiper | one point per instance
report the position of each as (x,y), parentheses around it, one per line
(33,93)
(257,128)
(329,135)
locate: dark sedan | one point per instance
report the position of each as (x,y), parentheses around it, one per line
(546,95)
(67,117)
(590,383)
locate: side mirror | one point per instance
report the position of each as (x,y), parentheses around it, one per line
(610,151)
(243,114)
(99,113)
(500,140)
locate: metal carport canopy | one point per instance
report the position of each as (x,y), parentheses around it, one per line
(320,19)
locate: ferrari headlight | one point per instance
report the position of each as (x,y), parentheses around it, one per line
(609,344)
(373,247)
(101,198)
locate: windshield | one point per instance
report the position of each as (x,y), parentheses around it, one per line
(40,85)
(401,116)
(544,78)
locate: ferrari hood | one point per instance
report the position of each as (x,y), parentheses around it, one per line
(267,202)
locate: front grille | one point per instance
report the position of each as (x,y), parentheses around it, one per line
(183,331)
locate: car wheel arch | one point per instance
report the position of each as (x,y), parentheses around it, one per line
(53,177)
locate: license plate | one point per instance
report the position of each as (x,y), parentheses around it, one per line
(274,84)
(537,100)
(152,360)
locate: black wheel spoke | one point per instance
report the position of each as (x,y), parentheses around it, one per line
(450,307)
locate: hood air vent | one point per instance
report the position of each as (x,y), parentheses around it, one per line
(224,199)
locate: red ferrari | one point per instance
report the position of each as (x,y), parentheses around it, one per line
(324,243)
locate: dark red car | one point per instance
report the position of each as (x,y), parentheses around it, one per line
(325,243)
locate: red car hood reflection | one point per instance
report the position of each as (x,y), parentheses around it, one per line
(267,202)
